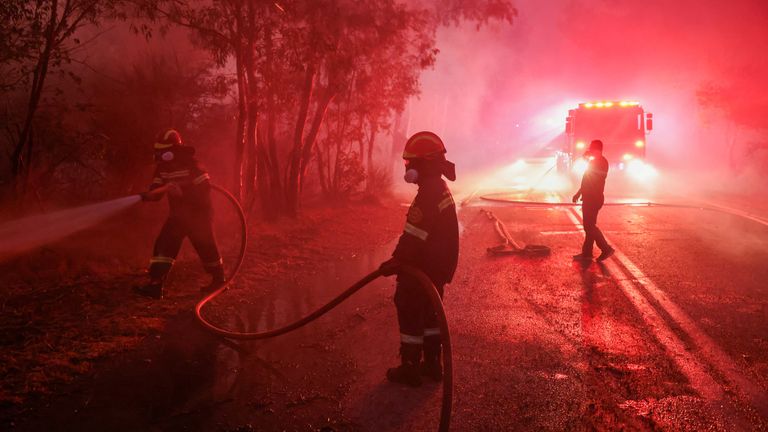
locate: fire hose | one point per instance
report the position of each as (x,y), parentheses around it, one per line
(712,208)
(511,247)
(424,282)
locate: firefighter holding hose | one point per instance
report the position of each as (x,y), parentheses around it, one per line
(430,242)
(179,175)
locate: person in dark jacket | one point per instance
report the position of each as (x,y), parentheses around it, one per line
(187,184)
(592,197)
(430,242)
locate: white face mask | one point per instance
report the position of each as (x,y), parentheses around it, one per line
(167,156)
(411,176)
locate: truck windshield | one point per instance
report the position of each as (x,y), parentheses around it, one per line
(619,129)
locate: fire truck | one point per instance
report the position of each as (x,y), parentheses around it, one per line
(622,126)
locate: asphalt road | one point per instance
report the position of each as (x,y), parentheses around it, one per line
(670,334)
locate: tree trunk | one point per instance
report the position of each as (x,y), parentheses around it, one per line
(38,80)
(336,165)
(309,141)
(276,186)
(249,172)
(271,202)
(240,137)
(263,175)
(253,105)
(294,165)
(321,171)
(361,141)
(371,142)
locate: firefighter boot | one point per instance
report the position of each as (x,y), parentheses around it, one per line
(432,367)
(408,371)
(604,255)
(153,289)
(217,280)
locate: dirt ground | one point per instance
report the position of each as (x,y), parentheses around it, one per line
(68,313)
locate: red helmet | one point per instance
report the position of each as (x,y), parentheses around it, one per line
(423,145)
(167,138)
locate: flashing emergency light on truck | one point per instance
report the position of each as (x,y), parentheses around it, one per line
(622,126)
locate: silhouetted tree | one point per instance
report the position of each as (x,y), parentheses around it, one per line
(743,110)
(37,36)
(293,58)
(158,90)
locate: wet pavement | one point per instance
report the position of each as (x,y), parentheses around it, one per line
(672,334)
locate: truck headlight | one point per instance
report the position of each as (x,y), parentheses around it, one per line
(641,171)
(580,166)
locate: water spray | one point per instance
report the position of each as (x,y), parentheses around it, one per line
(28,233)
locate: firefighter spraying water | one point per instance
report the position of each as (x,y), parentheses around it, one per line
(179,175)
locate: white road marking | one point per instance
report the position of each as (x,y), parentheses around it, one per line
(707,347)
(559,232)
(696,373)
(699,378)
(570,232)
(753,217)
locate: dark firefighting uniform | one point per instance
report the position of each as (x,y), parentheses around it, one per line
(191,215)
(592,187)
(430,242)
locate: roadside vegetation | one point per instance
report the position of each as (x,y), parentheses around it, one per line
(285,101)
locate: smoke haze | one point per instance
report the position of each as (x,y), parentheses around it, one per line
(497,92)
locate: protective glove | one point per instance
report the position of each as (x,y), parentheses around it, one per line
(389,267)
(174,190)
(576,197)
(153,195)
(157,193)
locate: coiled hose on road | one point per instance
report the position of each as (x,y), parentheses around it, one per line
(425,283)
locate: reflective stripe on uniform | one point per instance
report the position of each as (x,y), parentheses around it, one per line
(409,339)
(161,259)
(432,331)
(416,231)
(157,180)
(174,174)
(162,146)
(201,178)
(445,203)
(213,263)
